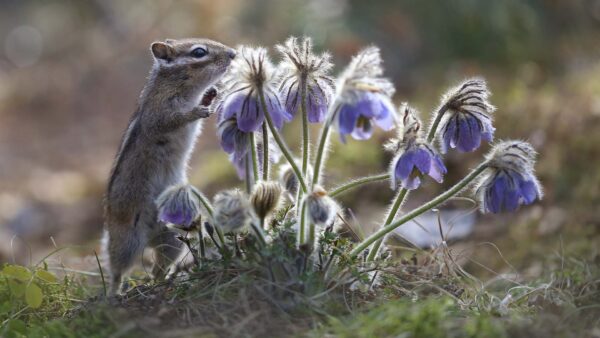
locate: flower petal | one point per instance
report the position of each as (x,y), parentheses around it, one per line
(347,117)
(250,117)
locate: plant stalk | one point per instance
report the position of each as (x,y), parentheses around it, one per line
(284,149)
(358,182)
(458,187)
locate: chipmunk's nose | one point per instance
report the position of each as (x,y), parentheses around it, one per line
(232,53)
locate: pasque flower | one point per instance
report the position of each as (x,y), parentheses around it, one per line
(236,143)
(300,66)
(232,211)
(414,156)
(510,180)
(363,97)
(467,116)
(250,73)
(178,205)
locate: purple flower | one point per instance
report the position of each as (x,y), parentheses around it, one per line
(301,66)
(250,74)
(246,108)
(510,180)
(416,160)
(357,119)
(178,205)
(414,156)
(237,144)
(364,97)
(467,120)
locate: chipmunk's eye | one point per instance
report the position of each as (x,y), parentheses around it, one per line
(199,52)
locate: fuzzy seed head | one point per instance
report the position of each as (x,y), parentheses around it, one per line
(232,211)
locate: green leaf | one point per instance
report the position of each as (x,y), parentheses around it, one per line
(17,271)
(46,276)
(17,288)
(34,296)
(17,326)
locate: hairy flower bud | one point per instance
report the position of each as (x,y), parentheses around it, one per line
(265,198)
(178,205)
(288,179)
(320,207)
(232,211)
(510,180)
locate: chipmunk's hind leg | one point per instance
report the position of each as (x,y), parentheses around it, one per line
(167,251)
(123,247)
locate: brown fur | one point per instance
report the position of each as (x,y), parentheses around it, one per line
(155,152)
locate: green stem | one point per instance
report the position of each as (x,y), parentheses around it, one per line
(358,182)
(301,231)
(436,122)
(204,201)
(254,157)
(266,160)
(400,198)
(248,173)
(458,187)
(210,211)
(284,149)
(322,145)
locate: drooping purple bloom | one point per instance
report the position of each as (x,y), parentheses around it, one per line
(246,108)
(178,205)
(364,97)
(416,160)
(237,144)
(300,66)
(414,156)
(357,119)
(467,119)
(510,180)
(251,73)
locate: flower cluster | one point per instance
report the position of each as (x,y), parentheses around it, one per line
(256,98)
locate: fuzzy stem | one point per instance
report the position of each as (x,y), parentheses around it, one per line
(209,209)
(358,182)
(248,174)
(204,201)
(458,187)
(266,160)
(284,149)
(389,219)
(254,157)
(321,150)
(436,122)
(301,232)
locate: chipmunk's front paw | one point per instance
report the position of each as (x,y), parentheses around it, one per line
(201,112)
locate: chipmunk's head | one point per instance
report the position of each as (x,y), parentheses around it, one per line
(196,61)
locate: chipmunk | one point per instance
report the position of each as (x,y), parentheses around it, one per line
(155,151)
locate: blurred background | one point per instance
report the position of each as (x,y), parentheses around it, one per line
(71,72)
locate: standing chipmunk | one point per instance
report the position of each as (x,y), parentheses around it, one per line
(156,149)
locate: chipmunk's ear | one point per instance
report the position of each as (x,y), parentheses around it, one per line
(162,51)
